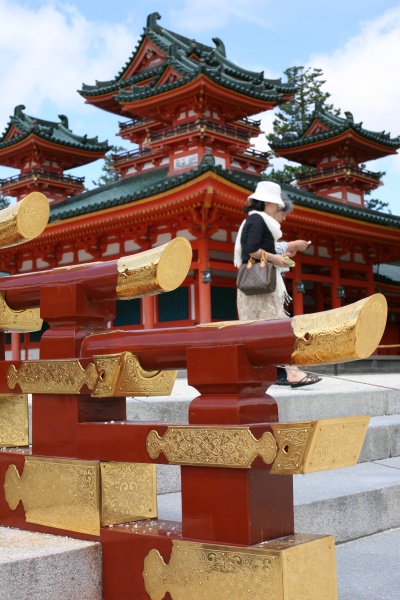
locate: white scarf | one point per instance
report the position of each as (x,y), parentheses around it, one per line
(276,232)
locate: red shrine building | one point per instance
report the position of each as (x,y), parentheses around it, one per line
(189,113)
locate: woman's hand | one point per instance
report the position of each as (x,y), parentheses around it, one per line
(278,260)
(296,246)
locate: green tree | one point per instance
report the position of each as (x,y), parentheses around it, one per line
(4,202)
(292,117)
(374,203)
(110,175)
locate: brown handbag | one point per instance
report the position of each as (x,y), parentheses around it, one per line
(257,277)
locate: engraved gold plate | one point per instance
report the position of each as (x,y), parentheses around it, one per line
(318,445)
(128,492)
(233,447)
(291,568)
(80,496)
(154,271)
(51,376)
(19,320)
(122,375)
(24,220)
(342,334)
(13,420)
(109,375)
(58,493)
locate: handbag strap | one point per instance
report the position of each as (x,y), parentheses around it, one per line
(263,260)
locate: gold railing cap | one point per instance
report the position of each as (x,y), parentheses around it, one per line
(33,215)
(351,332)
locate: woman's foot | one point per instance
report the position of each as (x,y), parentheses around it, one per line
(307,380)
(296,376)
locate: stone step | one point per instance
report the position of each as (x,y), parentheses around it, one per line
(356,505)
(38,566)
(347,395)
(348,503)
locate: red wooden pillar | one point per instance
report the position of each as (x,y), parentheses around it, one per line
(336,301)
(16,346)
(238,506)
(148,312)
(369,276)
(204,311)
(298,304)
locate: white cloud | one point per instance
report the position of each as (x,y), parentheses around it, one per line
(362,75)
(47,53)
(202,15)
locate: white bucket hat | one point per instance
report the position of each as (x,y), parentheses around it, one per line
(267,191)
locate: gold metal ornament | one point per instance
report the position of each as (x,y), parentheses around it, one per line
(160,269)
(318,445)
(58,493)
(14,420)
(24,220)
(233,447)
(122,375)
(128,492)
(82,496)
(291,568)
(51,376)
(18,320)
(342,334)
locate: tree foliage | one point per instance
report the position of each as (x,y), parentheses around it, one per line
(292,117)
(110,175)
(4,202)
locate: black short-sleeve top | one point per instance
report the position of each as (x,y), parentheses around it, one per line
(256,235)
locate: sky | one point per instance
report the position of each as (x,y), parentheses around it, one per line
(49,48)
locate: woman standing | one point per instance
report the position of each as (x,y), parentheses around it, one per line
(260,232)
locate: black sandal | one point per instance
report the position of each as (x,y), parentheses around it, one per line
(307,380)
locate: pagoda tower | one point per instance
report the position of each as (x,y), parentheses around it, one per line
(335,148)
(185,99)
(42,151)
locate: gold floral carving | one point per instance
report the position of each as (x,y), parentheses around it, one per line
(80,496)
(128,492)
(292,439)
(57,493)
(160,269)
(234,447)
(318,445)
(347,333)
(18,320)
(13,420)
(24,220)
(293,568)
(52,376)
(122,375)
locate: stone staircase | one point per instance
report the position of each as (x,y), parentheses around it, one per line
(359,505)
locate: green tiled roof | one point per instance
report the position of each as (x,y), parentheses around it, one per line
(336,126)
(178,51)
(57,133)
(387,273)
(146,185)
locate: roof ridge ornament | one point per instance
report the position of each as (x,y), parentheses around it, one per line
(18,111)
(349,116)
(219,46)
(64,120)
(152,19)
